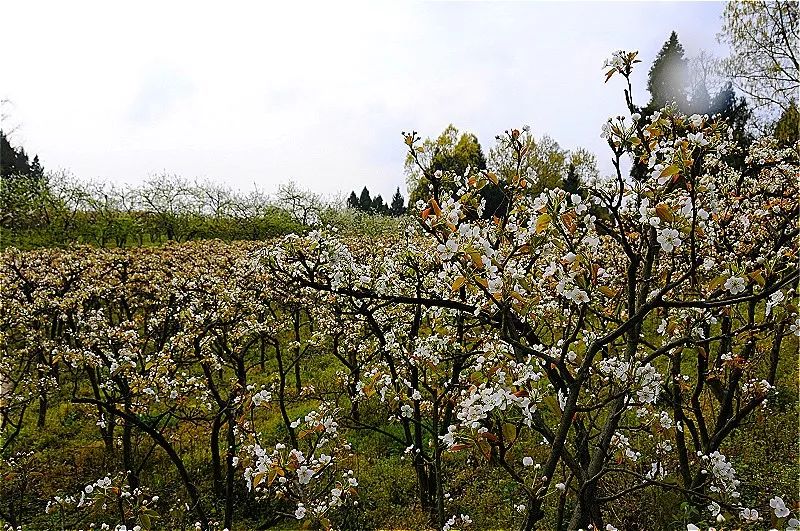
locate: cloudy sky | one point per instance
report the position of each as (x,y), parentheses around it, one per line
(317,93)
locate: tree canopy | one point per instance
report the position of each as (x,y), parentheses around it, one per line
(669,76)
(397,207)
(763,38)
(675,80)
(24,187)
(515,154)
(448,156)
(376,205)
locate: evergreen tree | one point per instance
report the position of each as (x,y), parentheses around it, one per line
(13,161)
(36,168)
(701,99)
(667,83)
(8,157)
(736,113)
(398,204)
(352,201)
(364,201)
(378,206)
(572,182)
(668,77)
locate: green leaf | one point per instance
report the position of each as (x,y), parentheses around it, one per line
(716,282)
(758,277)
(509,432)
(672,169)
(542,222)
(457,283)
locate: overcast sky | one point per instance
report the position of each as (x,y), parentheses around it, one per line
(317,93)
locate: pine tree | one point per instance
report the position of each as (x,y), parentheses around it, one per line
(13,161)
(572,182)
(398,204)
(377,205)
(36,169)
(364,201)
(352,201)
(668,77)
(736,113)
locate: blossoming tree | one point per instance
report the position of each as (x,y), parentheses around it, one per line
(631,327)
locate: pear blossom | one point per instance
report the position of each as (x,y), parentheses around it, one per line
(779,506)
(774,299)
(669,239)
(304,474)
(735,285)
(749,515)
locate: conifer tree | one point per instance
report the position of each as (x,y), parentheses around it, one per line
(398,204)
(378,206)
(364,201)
(13,161)
(352,201)
(23,187)
(572,182)
(735,111)
(701,99)
(668,77)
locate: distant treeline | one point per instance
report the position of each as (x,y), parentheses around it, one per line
(368,205)
(39,209)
